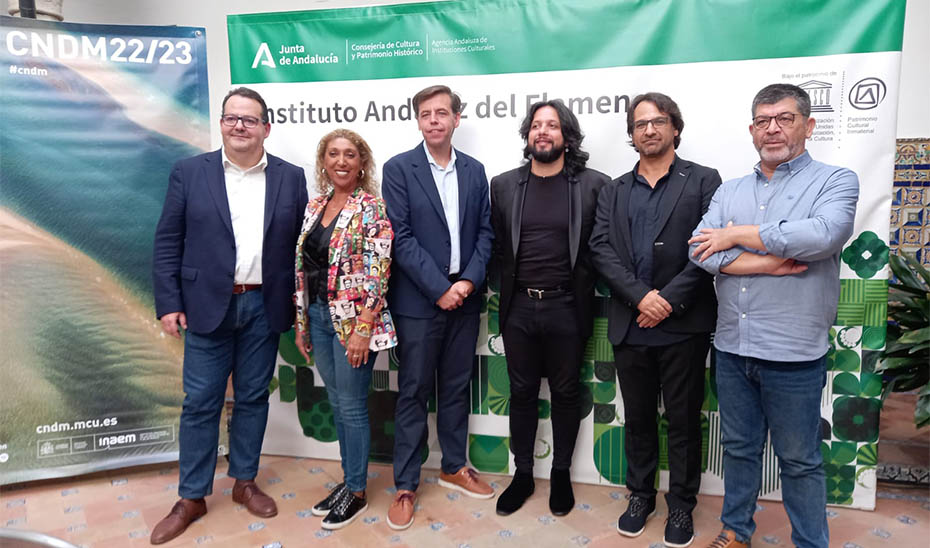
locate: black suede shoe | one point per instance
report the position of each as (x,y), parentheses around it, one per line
(513,497)
(324,506)
(561,497)
(344,511)
(679,529)
(633,521)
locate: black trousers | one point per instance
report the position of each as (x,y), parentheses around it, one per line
(678,370)
(542,339)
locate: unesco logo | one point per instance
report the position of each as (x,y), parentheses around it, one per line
(867,93)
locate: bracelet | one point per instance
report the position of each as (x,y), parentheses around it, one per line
(363,329)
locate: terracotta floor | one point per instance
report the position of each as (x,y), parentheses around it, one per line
(119,509)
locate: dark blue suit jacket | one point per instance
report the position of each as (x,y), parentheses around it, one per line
(195,250)
(421,237)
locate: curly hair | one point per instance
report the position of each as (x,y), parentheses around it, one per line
(575,158)
(366,179)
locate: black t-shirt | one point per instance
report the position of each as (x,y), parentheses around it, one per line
(543,260)
(316,259)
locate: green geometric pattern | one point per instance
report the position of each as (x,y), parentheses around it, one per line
(863,302)
(287,379)
(866,255)
(865,385)
(489,454)
(609,458)
(288,349)
(598,348)
(867,455)
(856,419)
(841,482)
(873,337)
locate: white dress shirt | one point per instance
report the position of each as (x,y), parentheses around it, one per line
(447,183)
(245,191)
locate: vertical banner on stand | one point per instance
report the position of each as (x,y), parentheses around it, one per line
(359,67)
(91,119)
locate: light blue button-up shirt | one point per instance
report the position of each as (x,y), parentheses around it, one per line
(805,212)
(447,183)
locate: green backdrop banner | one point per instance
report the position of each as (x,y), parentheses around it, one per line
(91,119)
(359,67)
(505,36)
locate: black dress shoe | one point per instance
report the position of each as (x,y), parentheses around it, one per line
(513,497)
(324,506)
(344,511)
(561,497)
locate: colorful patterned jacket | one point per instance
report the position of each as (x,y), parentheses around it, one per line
(359,267)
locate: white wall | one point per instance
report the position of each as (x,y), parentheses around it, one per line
(914,103)
(913,107)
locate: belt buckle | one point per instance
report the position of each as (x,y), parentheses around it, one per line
(238,289)
(535,293)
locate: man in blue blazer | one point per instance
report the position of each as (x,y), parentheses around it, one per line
(437,200)
(223,270)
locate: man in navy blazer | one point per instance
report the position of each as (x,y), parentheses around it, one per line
(223,270)
(437,201)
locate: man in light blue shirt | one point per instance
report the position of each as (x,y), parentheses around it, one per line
(447,184)
(773,240)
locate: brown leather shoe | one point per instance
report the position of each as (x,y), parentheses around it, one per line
(400,514)
(467,481)
(182,514)
(727,539)
(247,493)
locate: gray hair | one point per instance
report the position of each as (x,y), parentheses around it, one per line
(773,93)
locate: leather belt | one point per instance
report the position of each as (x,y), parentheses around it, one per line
(239,289)
(540,294)
(455,277)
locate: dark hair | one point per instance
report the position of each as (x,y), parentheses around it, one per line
(249,94)
(773,93)
(431,91)
(575,158)
(665,104)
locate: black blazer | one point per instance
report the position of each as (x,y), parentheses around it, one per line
(507,193)
(195,249)
(686,287)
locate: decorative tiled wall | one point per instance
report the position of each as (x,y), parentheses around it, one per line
(910,200)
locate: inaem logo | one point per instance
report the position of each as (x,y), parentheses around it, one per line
(867,93)
(263,57)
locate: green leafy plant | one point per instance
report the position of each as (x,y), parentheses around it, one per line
(905,363)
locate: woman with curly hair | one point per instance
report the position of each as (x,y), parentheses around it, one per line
(342,268)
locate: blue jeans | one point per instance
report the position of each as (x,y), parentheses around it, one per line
(347,388)
(246,347)
(782,399)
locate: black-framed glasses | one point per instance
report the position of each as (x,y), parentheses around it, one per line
(248,122)
(658,123)
(784,120)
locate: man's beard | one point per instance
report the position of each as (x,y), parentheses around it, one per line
(546,156)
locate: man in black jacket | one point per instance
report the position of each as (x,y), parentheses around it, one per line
(662,310)
(543,213)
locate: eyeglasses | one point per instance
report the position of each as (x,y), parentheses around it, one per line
(784,120)
(231,120)
(658,123)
